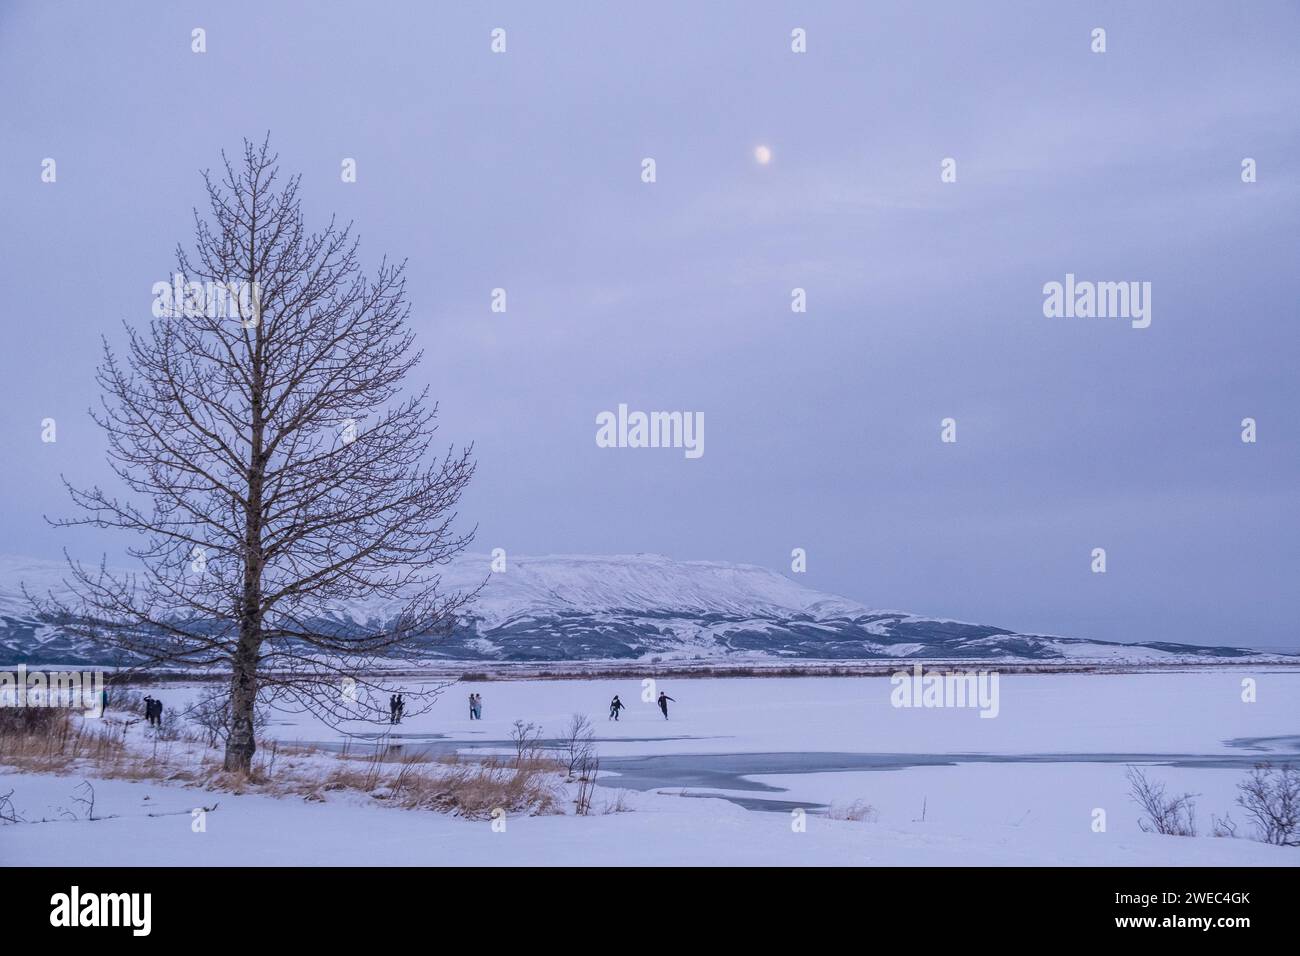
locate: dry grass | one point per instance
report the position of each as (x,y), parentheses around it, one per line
(858,810)
(51,740)
(297,750)
(448,784)
(476,789)
(48,740)
(618,805)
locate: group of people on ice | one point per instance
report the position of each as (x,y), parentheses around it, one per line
(616,706)
(397,706)
(153,711)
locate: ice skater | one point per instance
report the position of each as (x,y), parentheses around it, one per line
(663,703)
(476,704)
(615,706)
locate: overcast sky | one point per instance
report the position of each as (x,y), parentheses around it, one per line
(522,170)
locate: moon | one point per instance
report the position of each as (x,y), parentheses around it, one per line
(763,155)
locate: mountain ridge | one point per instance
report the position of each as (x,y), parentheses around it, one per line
(581,607)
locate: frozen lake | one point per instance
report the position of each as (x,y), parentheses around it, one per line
(779,743)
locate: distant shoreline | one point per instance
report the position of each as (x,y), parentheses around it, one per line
(481,672)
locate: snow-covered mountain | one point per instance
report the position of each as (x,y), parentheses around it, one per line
(610,607)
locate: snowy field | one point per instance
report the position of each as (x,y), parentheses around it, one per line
(717,782)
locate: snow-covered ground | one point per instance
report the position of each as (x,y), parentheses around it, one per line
(1060,747)
(661,830)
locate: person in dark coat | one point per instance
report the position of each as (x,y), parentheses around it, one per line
(615,706)
(663,703)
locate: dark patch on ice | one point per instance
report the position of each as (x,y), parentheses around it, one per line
(754,803)
(732,771)
(1288,743)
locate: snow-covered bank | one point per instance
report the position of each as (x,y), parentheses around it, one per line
(1021,788)
(662,830)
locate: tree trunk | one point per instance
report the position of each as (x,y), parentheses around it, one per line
(241,745)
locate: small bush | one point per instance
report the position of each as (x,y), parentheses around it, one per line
(120,697)
(577,745)
(1223,827)
(527,738)
(618,805)
(1271,798)
(1172,816)
(857,810)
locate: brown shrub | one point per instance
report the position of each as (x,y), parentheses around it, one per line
(51,740)
(474,790)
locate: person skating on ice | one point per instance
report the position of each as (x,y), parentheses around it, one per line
(663,703)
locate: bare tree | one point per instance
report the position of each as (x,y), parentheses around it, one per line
(1271,798)
(260,417)
(588,770)
(527,738)
(577,742)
